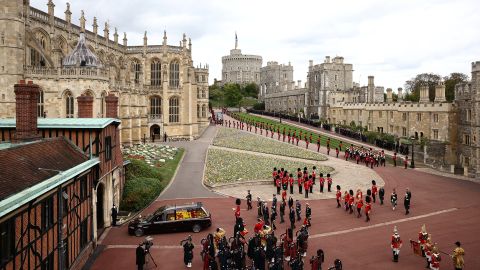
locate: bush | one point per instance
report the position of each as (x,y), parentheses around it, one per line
(139,168)
(139,192)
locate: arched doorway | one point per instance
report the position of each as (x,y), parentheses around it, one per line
(155,132)
(100,202)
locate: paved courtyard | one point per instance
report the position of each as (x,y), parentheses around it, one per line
(448,207)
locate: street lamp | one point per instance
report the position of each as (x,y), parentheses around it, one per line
(412,163)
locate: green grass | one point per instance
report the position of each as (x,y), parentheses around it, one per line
(143,183)
(323,138)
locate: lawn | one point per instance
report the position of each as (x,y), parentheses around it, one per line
(150,171)
(225,166)
(323,138)
(233,138)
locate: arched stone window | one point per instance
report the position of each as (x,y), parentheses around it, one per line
(204,111)
(174,74)
(173,110)
(40,104)
(69,105)
(137,71)
(155,106)
(155,73)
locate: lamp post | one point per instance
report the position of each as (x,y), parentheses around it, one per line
(412,163)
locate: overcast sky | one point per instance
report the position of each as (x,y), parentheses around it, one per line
(393,40)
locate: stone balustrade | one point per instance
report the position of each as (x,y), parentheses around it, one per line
(67,73)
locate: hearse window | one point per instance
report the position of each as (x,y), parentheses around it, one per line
(170,216)
(198,213)
(159,218)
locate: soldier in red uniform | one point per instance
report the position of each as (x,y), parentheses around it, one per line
(299,180)
(346,200)
(338,195)
(435,260)
(351,200)
(396,244)
(329,182)
(322,182)
(284,195)
(359,204)
(274,175)
(278,183)
(328,146)
(310,138)
(278,133)
(285,181)
(288,136)
(340,145)
(316,261)
(318,143)
(374,190)
(291,182)
(337,151)
(237,209)
(368,208)
(298,137)
(287,243)
(306,187)
(306,141)
(422,239)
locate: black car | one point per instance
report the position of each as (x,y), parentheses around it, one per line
(191,217)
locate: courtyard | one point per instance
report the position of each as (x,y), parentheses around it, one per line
(447,206)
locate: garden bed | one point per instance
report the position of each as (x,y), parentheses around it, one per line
(237,139)
(224,167)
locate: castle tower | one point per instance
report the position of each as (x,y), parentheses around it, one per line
(12,50)
(371,89)
(440,92)
(389,95)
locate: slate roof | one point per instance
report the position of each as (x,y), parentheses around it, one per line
(93,123)
(25,165)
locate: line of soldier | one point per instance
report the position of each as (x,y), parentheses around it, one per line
(283,181)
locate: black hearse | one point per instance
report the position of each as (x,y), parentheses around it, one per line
(189,217)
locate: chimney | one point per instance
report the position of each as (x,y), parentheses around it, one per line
(400,94)
(111,102)
(424,94)
(389,95)
(299,82)
(26,97)
(327,59)
(85,106)
(371,81)
(310,63)
(440,92)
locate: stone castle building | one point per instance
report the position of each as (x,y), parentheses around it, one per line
(467,97)
(279,91)
(241,68)
(158,87)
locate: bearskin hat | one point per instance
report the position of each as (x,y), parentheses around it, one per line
(238,201)
(369,192)
(367,199)
(338,187)
(351,192)
(373,182)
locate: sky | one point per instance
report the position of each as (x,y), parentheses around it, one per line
(392,40)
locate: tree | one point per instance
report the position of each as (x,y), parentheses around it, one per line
(250,90)
(233,95)
(424,79)
(450,82)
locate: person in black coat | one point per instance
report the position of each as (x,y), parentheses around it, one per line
(188,251)
(140,257)
(291,216)
(114,215)
(381,195)
(406,201)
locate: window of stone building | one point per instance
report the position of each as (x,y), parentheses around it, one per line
(102,105)
(155,73)
(174,110)
(469,115)
(137,69)
(36,59)
(466,139)
(404,118)
(40,104)
(204,111)
(155,106)
(435,117)
(69,105)
(435,134)
(419,117)
(404,131)
(203,78)
(174,74)
(198,111)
